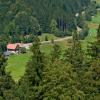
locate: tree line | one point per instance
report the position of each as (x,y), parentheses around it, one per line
(72,75)
(20,20)
(25,16)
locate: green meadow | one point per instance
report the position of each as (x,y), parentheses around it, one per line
(96,19)
(98,1)
(16,63)
(93,25)
(49,36)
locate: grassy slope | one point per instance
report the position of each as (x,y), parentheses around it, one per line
(49,36)
(89,39)
(92,32)
(96,19)
(98,1)
(16,63)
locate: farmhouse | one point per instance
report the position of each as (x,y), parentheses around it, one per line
(16,47)
(13,48)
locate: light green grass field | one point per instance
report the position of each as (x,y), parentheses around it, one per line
(49,36)
(98,1)
(16,65)
(93,25)
(89,39)
(96,19)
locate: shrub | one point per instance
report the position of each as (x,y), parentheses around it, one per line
(23,50)
(46,38)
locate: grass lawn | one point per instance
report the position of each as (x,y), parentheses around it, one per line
(89,39)
(98,1)
(93,25)
(49,36)
(16,65)
(96,19)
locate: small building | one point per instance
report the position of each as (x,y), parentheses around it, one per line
(13,48)
(27,45)
(7,54)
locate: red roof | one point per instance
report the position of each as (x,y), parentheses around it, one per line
(12,46)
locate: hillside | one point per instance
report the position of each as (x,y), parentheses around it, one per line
(49,50)
(17,72)
(16,16)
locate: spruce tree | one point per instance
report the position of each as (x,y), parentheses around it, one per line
(60,82)
(6,82)
(93,74)
(53,27)
(94,49)
(98,33)
(29,84)
(75,54)
(56,53)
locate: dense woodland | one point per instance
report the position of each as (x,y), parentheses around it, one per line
(19,18)
(70,75)
(74,76)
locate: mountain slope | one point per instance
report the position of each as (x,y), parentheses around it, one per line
(63,11)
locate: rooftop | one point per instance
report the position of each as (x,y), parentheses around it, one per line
(12,46)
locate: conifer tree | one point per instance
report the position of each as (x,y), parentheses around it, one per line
(56,52)
(98,33)
(92,75)
(94,49)
(33,74)
(53,27)
(75,54)
(60,82)
(6,82)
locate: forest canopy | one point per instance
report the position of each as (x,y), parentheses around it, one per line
(24,16)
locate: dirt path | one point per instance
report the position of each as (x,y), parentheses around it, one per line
(57,40)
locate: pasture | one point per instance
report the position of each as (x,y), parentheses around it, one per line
(93,25)
(98,1)
(96,19)
(49,36)
(16,63)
